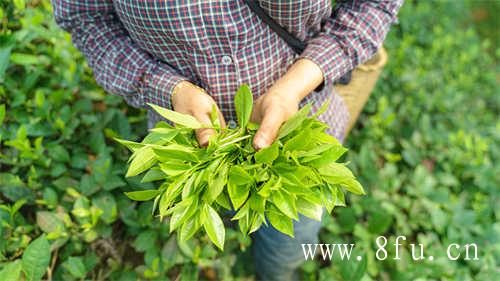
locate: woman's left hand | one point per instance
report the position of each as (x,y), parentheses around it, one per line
(282,100)
(271,110)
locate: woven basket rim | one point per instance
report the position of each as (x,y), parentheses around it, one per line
(377,62)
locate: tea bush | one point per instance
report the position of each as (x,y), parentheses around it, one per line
(426,149)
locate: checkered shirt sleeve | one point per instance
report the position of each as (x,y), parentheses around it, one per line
(118,64)
(351,36)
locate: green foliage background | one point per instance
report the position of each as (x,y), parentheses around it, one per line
(427,150)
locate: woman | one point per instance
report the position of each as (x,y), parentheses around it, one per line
(190,55)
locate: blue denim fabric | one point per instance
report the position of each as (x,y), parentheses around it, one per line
(277,255)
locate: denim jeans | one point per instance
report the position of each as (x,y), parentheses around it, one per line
(277,255)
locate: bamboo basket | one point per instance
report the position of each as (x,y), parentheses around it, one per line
(363,80)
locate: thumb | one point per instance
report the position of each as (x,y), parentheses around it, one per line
(269,127)
(203,135)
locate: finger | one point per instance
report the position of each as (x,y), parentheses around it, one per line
(256,117)
(203,135)
(269,128)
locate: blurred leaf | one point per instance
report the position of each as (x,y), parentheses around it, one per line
(26,59)
(145,241)
(2,112)
(6,44)
(12,271)
(49,222)
(143,195)
(106,202)
(36,259)
(20,4)
(75,266)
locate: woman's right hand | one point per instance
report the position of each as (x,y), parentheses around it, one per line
(190,99)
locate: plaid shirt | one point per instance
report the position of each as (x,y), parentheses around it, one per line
(140,49)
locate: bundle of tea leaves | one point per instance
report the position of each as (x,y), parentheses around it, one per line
(297,174)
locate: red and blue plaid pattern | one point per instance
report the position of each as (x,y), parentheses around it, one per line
(140,49)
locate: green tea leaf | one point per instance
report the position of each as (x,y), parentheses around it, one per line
(269,186)
(316,151)
(11,271)
(253,126)
(183,211)
(280,221)
(353,186)
(336,170)
(267,155)
(175,151)
(143,159)
(189,228)
(160,136)
(185,120)
(238,176)
(238,194)
(257,203)
(290,178)
(154,174)
(313,196)
(214,117)
(242,212)
(132,146)
(340,198)
(329,197)
(213,226)
(310,210)
(322,109)
(329,156)
(216,185)
(36,259)
(143,195)
(174,168)
(256,222)
(302,141)
(294,122)
(223,201)
(173,190)
(165,202)
(243,102)
(244,224)
(285,203)
(336,173)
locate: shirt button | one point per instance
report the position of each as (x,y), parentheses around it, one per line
(227,60)
(232,124)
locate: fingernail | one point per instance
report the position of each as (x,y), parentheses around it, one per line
(259,143)
(204,142)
